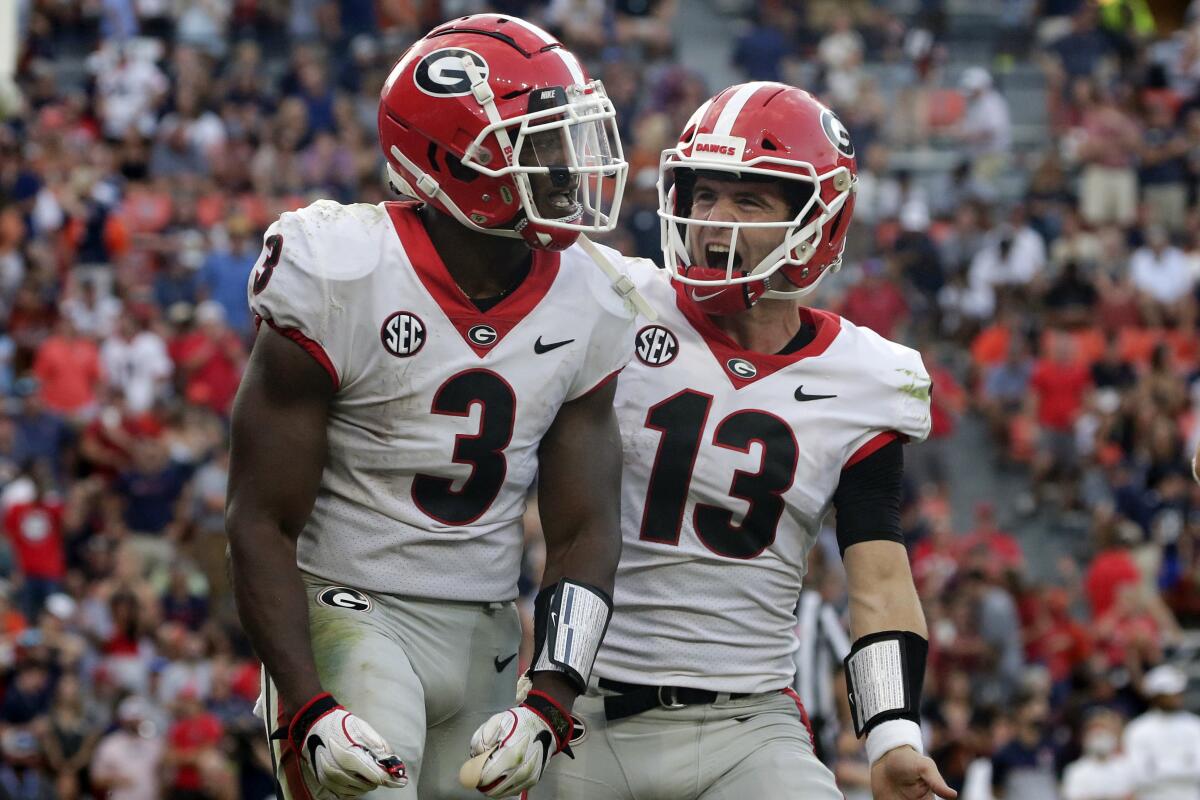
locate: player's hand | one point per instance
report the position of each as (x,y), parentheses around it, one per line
(340,754)
(905,774)
(518,744)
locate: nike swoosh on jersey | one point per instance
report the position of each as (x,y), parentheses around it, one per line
(501,663)
(803,398)
(540,348)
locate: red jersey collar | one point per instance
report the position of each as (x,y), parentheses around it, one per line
(734,359)
(464,315)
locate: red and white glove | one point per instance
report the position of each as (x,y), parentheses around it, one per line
(341,756)
(520,741)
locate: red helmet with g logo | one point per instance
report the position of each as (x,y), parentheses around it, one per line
(762,131)
(479,105)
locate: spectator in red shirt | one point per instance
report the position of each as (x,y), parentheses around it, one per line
(1059,383)
(68,368)
(1111,569)
(193,758)
(211,358)
(1002,549)
(927,460)
(935,559)
(108,442)
(1055,638)
(35,531)
(875,302)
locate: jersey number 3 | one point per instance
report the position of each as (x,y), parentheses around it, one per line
(680,418)
(274,245)
(483,451)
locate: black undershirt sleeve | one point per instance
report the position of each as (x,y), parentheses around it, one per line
(867,499)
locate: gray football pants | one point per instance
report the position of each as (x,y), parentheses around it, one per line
(421,672)
(754,748)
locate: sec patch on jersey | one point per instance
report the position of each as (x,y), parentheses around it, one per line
(402,334)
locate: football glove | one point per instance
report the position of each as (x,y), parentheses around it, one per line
(342,756)
(520,742)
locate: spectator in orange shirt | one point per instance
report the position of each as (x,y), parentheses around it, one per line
(993,344)
(67,366)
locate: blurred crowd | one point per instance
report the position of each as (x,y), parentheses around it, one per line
(1049,276)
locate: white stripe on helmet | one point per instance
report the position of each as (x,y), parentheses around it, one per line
(734,106)
(568,58)
(573,66)
(534,29)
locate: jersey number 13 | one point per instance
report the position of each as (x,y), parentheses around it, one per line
(681,419)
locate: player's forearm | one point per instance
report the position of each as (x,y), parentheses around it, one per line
(273,608)
(590,556)
(579,490)
(883,596)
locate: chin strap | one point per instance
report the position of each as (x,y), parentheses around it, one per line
(720,299)
(621,283)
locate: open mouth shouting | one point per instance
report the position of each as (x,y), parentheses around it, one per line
(716,256)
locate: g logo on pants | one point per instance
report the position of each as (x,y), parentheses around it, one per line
(344,597)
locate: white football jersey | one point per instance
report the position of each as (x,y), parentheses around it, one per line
(731,462)
(440,407)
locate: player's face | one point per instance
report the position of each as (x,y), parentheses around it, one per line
(736,201)
(556,195)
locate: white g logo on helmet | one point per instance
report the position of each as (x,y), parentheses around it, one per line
(838,136)
(441,73)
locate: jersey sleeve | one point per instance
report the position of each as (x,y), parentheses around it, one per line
(295,289)
(898,400)
(611,340)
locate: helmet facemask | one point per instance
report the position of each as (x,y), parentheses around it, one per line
(783,272)
(569,135)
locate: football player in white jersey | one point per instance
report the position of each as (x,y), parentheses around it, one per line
(745,416)
(419,363)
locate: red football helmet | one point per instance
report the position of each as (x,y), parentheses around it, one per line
(480,104)
(760,131)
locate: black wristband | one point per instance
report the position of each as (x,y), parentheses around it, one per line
(877,696)
(559,720)
(308,715)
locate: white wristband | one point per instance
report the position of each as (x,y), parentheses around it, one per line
(887,736)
